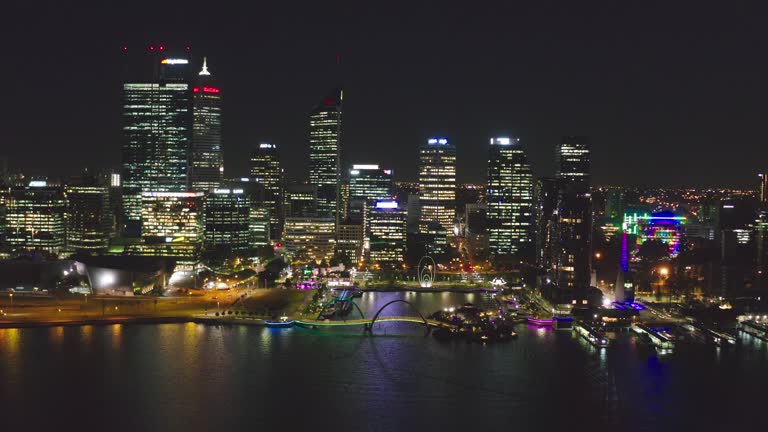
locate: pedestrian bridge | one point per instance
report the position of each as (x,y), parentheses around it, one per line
(368,323)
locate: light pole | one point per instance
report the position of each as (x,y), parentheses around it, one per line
(11,296)
(663,274)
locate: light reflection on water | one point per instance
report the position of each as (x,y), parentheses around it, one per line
(194,377)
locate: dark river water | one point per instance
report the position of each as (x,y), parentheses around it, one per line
(195,377)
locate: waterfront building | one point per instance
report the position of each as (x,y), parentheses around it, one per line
(571,266)
(35,218)
(387,231)
(172,226)
(510,198)
(310,238)
(89,217)
(157,133)
(325,127)
(265,169)
(437,184)
(227,220)
(206,168)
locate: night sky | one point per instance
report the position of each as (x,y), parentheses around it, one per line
(669,94)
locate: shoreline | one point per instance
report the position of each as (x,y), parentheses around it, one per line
(212,320)
(457,289)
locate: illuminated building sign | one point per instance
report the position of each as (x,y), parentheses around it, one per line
(266,146)
(38,183)
(441,141)
(365,167)
(172,61)
(210,90)
(386,204)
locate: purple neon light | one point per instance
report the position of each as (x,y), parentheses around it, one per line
(624,260)
(543,322)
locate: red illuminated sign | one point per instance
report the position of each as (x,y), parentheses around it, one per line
(195,89)
(210,90)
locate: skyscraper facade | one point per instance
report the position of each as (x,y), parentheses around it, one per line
(265,169)
(172,225)
(437,184)
(367,184)
(510,198)
(325,126)
(89,217)
(206,159)
(157,130)
(227,220)
(35,218)
(572,246)
(387,234)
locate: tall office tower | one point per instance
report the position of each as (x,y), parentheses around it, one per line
(157,132)
(206,159)
(89,216)
(227,220)
(387,234)
(510,198)
(367,184)
(614,204)
(763,189)
(546,204)
(325,153)
(172,225)
(265,169)
(437,184)
(572,254)
(35,218)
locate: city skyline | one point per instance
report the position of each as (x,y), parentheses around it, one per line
(628,92)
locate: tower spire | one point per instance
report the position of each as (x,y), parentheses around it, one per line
(205,67)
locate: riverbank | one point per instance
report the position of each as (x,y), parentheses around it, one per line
(434,289)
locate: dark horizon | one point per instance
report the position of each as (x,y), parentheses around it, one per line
(668,95)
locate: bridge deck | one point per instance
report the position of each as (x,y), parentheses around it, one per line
(360,322)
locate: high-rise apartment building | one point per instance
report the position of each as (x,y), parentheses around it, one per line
(265,169)
(510,198)
(571,263)
(437,184)
(325,127)
(206,159)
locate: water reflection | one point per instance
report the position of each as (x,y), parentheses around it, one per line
(117,336)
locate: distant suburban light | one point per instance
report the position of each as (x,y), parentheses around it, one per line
(365,167)
(386,204)
(38,183)
(174,61)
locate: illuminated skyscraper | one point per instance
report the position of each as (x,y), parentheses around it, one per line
(172,225)
(310,239)
(510,198)
(763,189)
(206,153)
(367,184)
(89,217)
(387,228)
(571,265)
(36,217)
(227,220)
(437,184)
(265,169)
(157,131)
(325,153)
